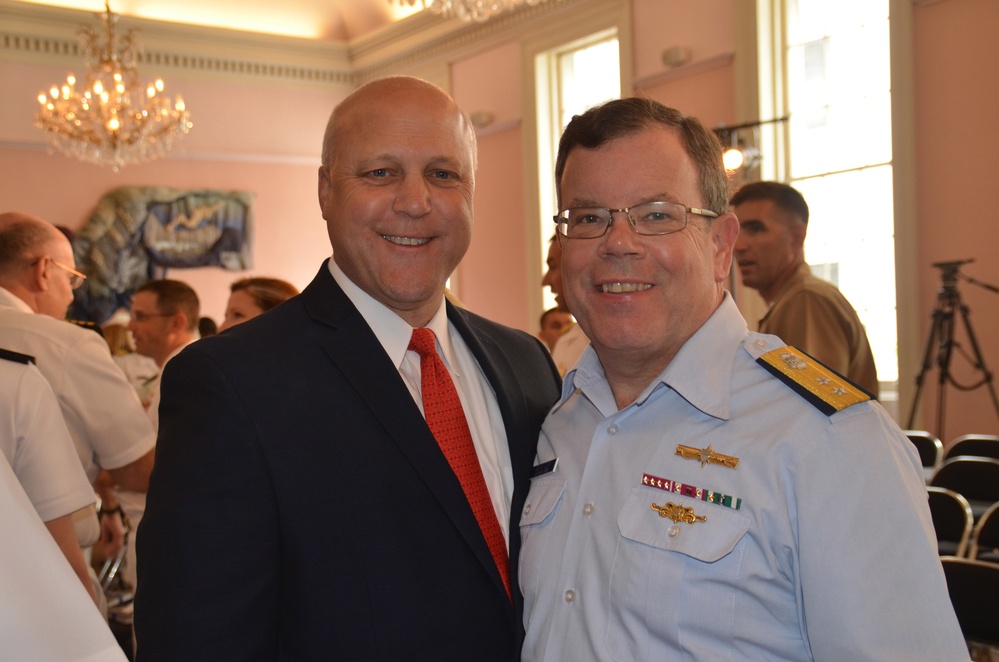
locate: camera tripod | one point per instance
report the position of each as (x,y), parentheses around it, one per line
(941,338)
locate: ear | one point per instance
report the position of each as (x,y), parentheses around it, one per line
(178,323)
(39,275)
(724,232)
(325,188)
(798,230)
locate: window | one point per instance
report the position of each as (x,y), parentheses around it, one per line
(835,84)
(571,78)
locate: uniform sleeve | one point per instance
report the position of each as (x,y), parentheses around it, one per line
(872,584)
(208,545)
(44,459)
(102,410)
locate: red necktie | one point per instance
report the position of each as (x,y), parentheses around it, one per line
(447,422)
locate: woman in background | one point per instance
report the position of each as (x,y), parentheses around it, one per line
(250,297)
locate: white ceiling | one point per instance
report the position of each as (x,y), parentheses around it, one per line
(326,20)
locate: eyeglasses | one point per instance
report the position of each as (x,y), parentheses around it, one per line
(76,278)
(650,219)
(145,317)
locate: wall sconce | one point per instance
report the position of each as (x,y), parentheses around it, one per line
(741,144)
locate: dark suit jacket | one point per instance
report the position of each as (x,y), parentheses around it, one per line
(300,509)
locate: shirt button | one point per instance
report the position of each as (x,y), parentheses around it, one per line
(570,595)
(588,509)
(527,509)
(673,530)
(761,343)
(612,430)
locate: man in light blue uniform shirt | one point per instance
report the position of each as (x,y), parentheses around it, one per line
(702,492)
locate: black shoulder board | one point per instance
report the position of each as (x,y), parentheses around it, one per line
(826,389)
(16,356)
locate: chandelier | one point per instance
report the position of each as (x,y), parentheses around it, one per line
(113,120)
(470,10)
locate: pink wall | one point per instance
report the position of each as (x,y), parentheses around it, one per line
(707,95)
(247,136)
(957,104)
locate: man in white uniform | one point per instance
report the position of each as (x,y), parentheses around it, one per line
(36,444)
(702,492)
(103,414)
(44,613)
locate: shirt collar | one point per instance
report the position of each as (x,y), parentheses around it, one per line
(393,332)
(8,298)
(698,373)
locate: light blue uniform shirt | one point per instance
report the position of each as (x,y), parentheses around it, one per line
(830,555)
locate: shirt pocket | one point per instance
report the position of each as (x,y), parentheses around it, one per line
(537,521)
(668,577)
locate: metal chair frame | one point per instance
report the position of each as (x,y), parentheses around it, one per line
(944,504)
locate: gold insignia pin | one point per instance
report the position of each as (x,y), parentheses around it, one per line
(706,456)
(678,513)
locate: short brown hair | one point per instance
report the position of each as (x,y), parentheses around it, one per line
(172,297)
(622,117)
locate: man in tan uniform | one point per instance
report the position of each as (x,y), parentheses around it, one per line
(804,311)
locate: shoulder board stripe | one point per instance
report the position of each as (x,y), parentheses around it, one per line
(828,391)
(17,357)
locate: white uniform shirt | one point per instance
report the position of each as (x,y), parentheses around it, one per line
(102,412)
(830,555)
(36,443)
(478,399)
(45,613)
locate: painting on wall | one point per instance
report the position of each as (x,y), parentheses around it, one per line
(138,233)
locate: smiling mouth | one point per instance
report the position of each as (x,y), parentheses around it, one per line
(405,241)
(623,288)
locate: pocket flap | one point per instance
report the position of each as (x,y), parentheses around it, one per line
(545,495)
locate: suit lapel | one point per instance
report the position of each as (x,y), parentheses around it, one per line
(503,378)
(360,358)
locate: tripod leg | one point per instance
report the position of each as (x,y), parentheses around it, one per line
(980,360)
(926,365)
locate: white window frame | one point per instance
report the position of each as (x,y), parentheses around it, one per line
(760,95)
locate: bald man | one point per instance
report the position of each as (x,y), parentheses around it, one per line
(302,507)
(105,419)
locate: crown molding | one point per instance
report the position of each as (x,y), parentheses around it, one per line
(41,34)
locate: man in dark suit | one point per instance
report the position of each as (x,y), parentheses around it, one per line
(300,507)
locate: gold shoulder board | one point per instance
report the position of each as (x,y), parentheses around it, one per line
(829,391)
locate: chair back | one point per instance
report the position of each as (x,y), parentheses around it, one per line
(974,592)
(974,478)
(985,536)
(952,520)
(930,450)
(978,445)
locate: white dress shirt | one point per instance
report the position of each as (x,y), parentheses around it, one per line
(478,399)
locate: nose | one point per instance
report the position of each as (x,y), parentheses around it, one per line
(620,237)
(413,196)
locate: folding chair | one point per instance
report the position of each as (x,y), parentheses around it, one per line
(974,592)
(974,478)
(985,537)
(930,450)
(952,520)
(977,445)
